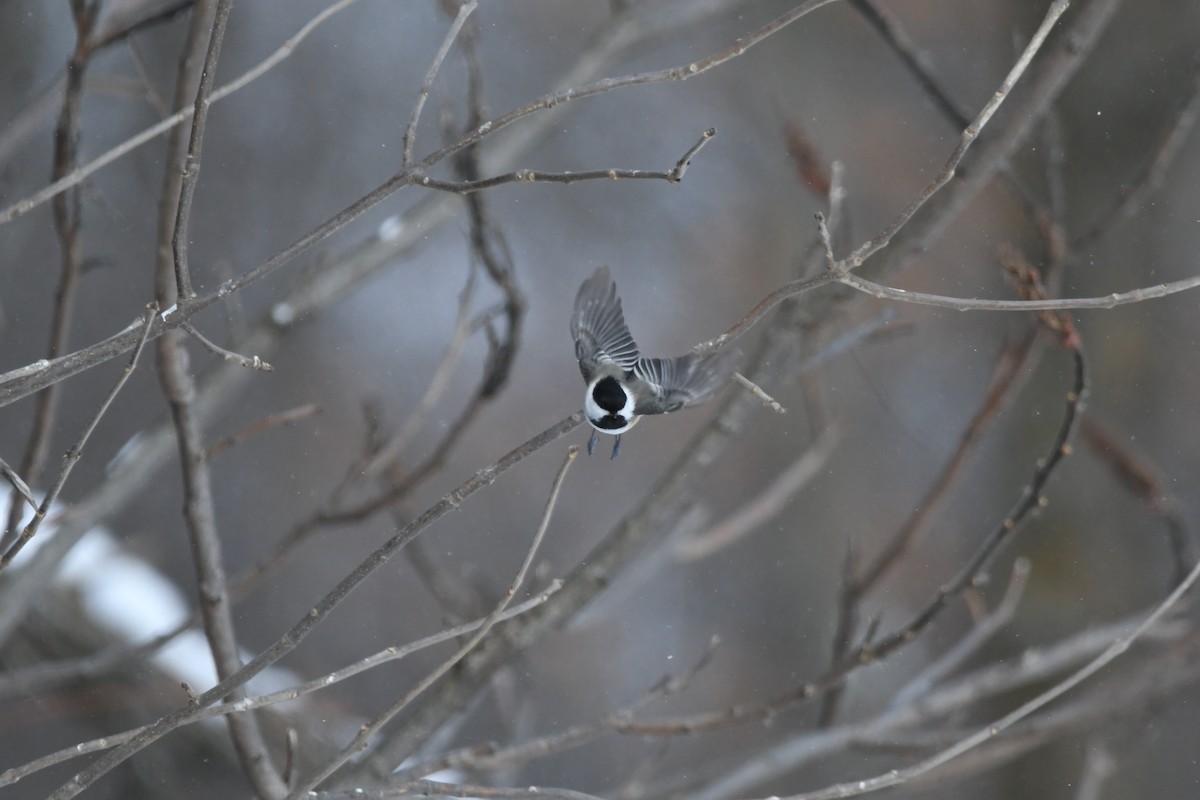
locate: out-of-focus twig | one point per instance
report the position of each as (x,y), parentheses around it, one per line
(765,505)
(389,655)
(289,417)
(366,732)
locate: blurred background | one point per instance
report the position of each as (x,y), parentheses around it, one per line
(326,126)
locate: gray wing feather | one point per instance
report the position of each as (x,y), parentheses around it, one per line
(684,381)
(598,326)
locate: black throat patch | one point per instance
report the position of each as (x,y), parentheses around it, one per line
(609,395)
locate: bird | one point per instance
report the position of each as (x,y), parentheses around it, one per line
(622,385)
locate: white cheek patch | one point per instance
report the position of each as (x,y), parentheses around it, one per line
(627,409)
(590,407)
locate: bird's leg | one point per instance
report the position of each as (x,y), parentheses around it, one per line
(616,448)
(592,441)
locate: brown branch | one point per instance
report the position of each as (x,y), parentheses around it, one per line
(1145,482)
(289,417)
(215,604)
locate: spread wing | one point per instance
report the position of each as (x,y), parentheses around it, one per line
(688,380)
(598,327)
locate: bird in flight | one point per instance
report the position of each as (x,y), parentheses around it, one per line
(623,386)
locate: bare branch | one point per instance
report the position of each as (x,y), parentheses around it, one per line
(766,505)
(288,417)
(1064,304)
(22,488)
(993,730)
(300,631)
(367,731)
(191,162)
(67,222)
(76,452)
(972,131)
(391,654)
(1130,199)
(410,133)
(80,174)
(253,362)
(672,175)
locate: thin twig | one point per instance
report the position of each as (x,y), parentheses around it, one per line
(191,162)
(289,417)
(873,650)
(428,788)
(757,391)
(24,381)
(399,236)
(994,729)
(1058,304)
(363,737)
(487,759)
(1130,199)
(252,362)
(914,59)
(672,175)
(173,286)
(28,681)
(389,655)
(389,451)
(18,483)
(68,214)
(1145,481)
(317,614)
(969,135)
(983,632)
(76,452)
(28,380)
(80,174)
(766,505)
(410,132)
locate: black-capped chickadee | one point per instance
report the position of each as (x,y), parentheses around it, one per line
(623,386)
